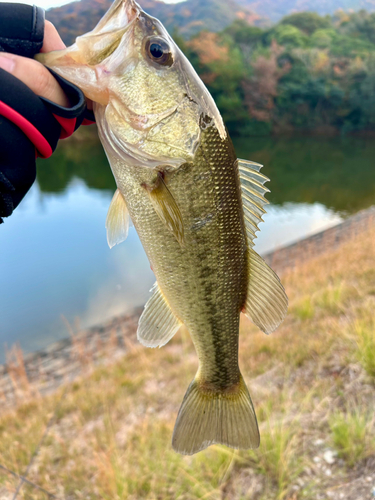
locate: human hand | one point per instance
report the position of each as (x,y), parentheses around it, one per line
(34,74)
(36,107)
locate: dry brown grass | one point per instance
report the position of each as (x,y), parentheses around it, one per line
(16,369)
(312,384)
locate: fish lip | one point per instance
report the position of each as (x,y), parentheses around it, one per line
(132,10)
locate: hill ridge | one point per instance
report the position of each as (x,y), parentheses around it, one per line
(189,17)
(276,9)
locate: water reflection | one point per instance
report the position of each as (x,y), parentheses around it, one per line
(285,224)
(337,172)
(54,256)
(56,262)
(82,158)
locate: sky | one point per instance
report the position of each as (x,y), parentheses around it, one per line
(46,4)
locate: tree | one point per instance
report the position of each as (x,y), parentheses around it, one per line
(308,22)
(244,34)
(286,34)
(261,89)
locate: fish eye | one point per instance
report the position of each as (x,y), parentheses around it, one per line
(159,51)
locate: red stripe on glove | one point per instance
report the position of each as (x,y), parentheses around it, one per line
(40,142)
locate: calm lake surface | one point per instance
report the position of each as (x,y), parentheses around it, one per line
(55,263)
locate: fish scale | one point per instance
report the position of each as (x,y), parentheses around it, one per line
(212,262)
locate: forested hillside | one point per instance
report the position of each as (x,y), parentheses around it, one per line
(276,9)
(188,17)
(191,16)
(305,73)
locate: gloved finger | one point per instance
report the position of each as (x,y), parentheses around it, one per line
(35,76)
(52,40)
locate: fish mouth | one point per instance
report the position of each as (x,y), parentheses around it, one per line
(107,33)
(119,16)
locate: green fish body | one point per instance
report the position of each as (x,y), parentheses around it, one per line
(194,205)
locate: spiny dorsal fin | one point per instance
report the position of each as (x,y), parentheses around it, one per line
(166,208)
(253,200)
(117,223)
(266,303)
(158,324)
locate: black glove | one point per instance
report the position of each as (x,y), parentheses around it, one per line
(30,126)
(21,29)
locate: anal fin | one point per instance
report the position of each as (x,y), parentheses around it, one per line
(267,302)
(157,324)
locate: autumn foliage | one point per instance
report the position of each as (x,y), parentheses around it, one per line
(307,72)
(260,90)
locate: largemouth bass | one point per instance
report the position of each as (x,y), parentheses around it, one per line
(195,206)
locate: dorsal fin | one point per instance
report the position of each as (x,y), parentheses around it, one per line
(253,200)
(266,303)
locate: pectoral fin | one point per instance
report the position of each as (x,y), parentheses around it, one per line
(166,207)
(118,219)
(158,324)
(267,302)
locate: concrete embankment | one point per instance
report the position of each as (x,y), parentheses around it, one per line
(43,371)
(290,256)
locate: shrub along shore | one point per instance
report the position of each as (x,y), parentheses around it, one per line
(312,383)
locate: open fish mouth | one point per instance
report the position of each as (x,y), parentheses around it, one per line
(120,14)
(153,99)
(94,46)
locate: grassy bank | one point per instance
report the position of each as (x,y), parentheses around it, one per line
(312,384)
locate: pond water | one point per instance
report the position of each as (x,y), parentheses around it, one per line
(56,267)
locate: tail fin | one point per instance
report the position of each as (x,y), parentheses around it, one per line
(207,418)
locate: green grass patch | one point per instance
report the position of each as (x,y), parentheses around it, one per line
(303,309)
(352,434)
(333,298)
(278,457)
(364,330)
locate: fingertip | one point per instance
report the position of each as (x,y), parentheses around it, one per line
(7,62)
(35,76)
(52,40)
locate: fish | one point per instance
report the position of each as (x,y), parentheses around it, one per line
(195,206)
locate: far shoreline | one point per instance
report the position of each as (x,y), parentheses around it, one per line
(89,133)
